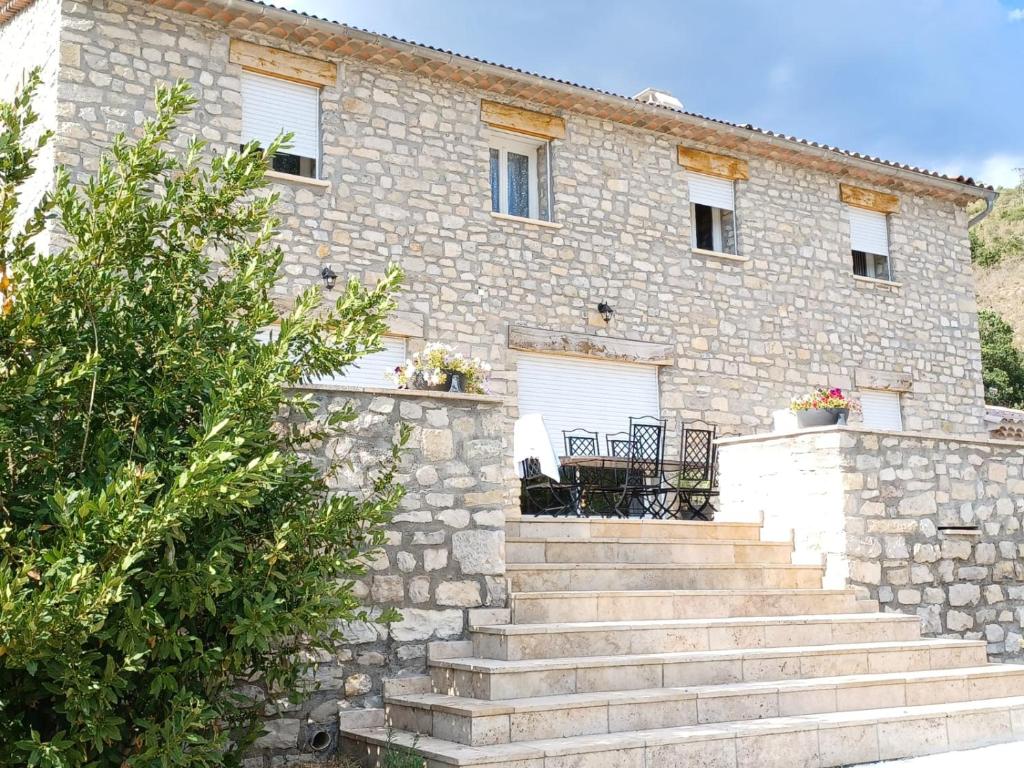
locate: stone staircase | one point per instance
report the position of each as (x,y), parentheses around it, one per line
(649,644)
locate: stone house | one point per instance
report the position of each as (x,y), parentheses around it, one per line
(609,257)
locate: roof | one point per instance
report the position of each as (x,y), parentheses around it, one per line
(309,31)
(11,8)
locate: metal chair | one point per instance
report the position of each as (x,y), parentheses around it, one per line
(580,442)
(541,495)
(643,479)
(695,484)
(617,444)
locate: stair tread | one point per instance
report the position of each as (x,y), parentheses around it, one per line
(460,754)
(466,706)
(636,593)
(658,566)
(641,540)
(739,621)
(497,666)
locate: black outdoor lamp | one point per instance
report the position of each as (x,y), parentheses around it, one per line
(606,311)
(330,277)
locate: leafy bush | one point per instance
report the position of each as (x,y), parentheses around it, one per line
(168,560)
(1001,362)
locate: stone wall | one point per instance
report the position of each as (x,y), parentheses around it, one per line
(445,552)
(406,165)
(925,524)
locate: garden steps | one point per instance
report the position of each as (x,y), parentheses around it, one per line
(635,644)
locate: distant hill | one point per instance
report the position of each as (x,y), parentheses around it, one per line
(997,249)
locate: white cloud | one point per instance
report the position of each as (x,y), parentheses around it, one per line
(999,169)
(1016,14)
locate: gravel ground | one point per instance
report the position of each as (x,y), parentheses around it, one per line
(999,752)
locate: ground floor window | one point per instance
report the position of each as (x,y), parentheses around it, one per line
(881,410)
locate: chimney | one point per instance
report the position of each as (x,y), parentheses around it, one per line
(659,98)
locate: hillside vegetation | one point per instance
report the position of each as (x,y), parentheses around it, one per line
(997,250)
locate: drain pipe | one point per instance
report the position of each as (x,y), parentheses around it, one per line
(977,218)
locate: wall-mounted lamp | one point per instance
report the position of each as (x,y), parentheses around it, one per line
(606,311)
(330,277)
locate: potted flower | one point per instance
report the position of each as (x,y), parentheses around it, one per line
(440,368)
(822,407)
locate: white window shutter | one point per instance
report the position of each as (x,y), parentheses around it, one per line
(372,370)
(711,190)
(869,231)
(596,395)
(881,410)
(271,106)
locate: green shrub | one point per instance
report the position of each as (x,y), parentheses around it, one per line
(168,559)
(1001,362)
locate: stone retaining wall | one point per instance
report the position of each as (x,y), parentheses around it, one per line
(445,552)
(925,524)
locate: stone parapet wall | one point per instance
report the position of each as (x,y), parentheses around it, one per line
(445,549)
(925,524)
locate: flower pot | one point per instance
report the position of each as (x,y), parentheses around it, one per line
(821,417)
(419,381)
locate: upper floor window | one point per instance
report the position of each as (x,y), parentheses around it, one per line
(519,174)
(519,142)
(869,243)
(712,213)
(271,106)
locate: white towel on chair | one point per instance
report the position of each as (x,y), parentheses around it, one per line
(531,441)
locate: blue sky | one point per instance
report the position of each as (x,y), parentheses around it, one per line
(936,83)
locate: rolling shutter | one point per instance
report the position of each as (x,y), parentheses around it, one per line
(868,231)
(881,410)
(271,106)
(711,190)
(593,394)
(372,370)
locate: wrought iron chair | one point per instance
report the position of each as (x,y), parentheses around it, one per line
(643,482)
(591,482)
(695,483)
(580,442)
(617,444)
(541,495)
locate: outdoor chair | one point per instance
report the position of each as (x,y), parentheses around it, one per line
(695,483)
(617,444)
(542,495)
(643,480)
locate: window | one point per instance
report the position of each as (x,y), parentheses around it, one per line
(712,213)
(869,242)
(881,410)
(517,164)
(271,106)
(368,371)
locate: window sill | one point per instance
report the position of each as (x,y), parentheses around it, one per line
(874,281)
(525,220)
(718,255)
(302,181)
(348,389)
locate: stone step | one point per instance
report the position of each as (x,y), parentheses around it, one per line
(587,528)
(477,722)
(545,577)
(628,605)
(567,550)
(514,642)
(498,679)
(826,740)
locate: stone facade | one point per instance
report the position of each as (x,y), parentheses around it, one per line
(922,523)
(445,551)
(405,164)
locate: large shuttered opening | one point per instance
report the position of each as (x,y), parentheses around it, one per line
(373,369)
(597,395)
